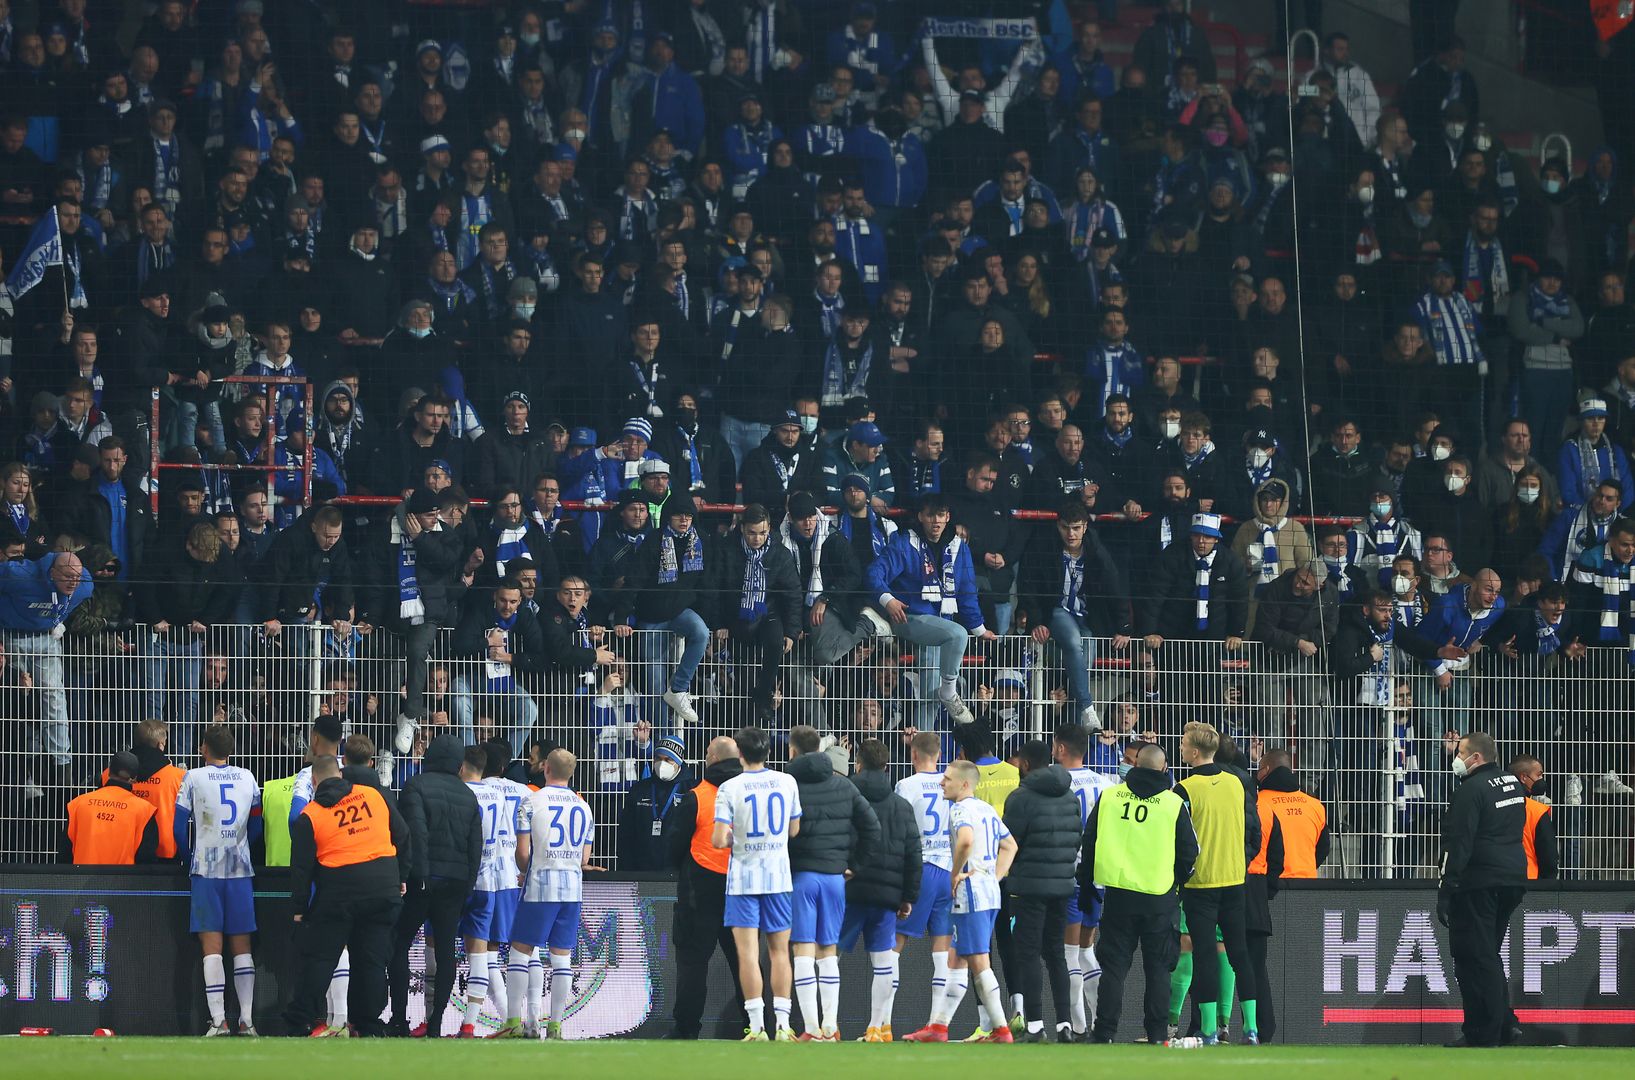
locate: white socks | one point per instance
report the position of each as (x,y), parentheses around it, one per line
(780,1011)
(215,988)
(959,980)
(516,986)
(561,986)
(1075,987)
(244,987)
(496,985)
(882,988)
(828,968)
(1016,1003)
(987,988)
(756,1009)
(340,983)
(533,1010)
(806,992)
(1092,979)
(477,986)
(939,976)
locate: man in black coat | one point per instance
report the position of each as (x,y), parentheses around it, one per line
(642,845)
(996,541)
(1043,817)
(782,465)
(1128,461)
(829,579)
(666,586)
(757,593)
(886,887)
(308,576)
(1484,874)
(701,462)
(506,636)
(838,833)
(574,648)
(446,851)
(1198,590)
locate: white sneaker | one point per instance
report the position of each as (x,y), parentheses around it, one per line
(1574,795)
(248,1030)
(1609,783)
(404,741)
(682,705)
(958,711)
(217,1029)
(383,767)
(1090,718)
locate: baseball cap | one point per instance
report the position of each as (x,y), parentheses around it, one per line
(1103,238)
(1010,677)
(653,466)
(1592,407)
(428,45)
(786,418)
(1207,525)
(582,436)
(972,95)
(823,93)
(865,432)
(1441,266)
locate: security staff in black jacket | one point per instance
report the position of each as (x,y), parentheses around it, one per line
(838,832)
(445,853)
(887,886)
(1043,816)
(1484,873)
(701,896)
(346,885)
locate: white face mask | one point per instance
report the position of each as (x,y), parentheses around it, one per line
(1455,483)
(1455,131)
(1382,509)
(1527,495)
(1441,453)
(1459,766)
(1258,458)
(530,39)
(577,134)
(524,311)
(1365,194)
(1277,179)
(1552,186)
(420,331)
(667,770)
(1483,142)
(1170,428)
(1401,583)
(808,424)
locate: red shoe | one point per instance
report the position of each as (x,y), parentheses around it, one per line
(419,1031)
(807,1036)
(467,1031)
(931,1033)
(1001,1034)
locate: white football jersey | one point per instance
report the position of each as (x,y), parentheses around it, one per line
(980,891)
(759,806)
(560,827)
(304,787)
(221,800)
(923,791)
(1087,785)
(498,801)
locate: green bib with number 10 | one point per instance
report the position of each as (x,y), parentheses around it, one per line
(1135,840)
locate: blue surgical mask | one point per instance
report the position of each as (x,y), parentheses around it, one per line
(420,331)
(808,424)
(1124,768)
(1382,509)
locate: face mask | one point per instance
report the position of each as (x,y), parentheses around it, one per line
(1455,484)
(667,770)
(1459,767)
(1455,131)
(1382,509)
(1170,428)
(577,134)
(1401,583)
(1258,458)
(1277,179)
(808,424)
(366,256)
(530,39)
(420,331)
(1441,453)
(1483,142)
(1215,138)
(686,417)
(1124,769)
(1365,194)
(524,311)
(1527,495)
(1552,186)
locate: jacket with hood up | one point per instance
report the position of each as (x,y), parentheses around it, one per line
(891,877)
(445,824)
(838,829)
(1043,816)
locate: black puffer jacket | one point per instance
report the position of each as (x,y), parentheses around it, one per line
(444,822)
(1043,816)
(838,829)
(892,877)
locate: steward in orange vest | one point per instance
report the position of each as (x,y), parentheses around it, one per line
(111,826)
(1538,835)
(1303,817)
(701,893)
(346,884)
(157,780)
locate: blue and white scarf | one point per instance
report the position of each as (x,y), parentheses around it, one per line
(690,562)
(938,581)
(499,674)
(410,605)
(752,597)
(167,173)
(1597,463)
(475,212)
(689,451)
(829,311)
(1268,554)
(1376,689)
(1549,640)
(1615,581)
(877,531)
(510,544)
(1072,600)
(1337,576)
(838,385)
(450,297)
(1200,586)
(1541,305)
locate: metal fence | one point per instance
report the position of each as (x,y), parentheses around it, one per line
(1375,749)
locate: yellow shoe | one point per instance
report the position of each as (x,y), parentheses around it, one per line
(753,1036)
(511,1029)
(979,1035)
(873,1035)
(785,1035)
(885,1032)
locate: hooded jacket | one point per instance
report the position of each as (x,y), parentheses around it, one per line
(838,829)
(347,443)
(891,877)
(444,822)
(1043,816)
(1144,783)
(377,879)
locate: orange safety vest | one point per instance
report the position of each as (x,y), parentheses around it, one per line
(355,830)
(704,853)
(1258,864)
(105,826)
(1303,818)
(160,790)
(1535,813)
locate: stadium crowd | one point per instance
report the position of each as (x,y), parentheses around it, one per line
(554,281)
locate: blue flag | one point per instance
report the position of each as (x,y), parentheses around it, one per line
(44,250)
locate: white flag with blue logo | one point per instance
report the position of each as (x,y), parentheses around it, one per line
(44,250)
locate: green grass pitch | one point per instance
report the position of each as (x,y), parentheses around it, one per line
(401,1059)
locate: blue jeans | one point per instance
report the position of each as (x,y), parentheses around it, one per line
(942,645)
(742,436)
(695,637)
(513,708)
(174,663)
(41,656)
(1078,649)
